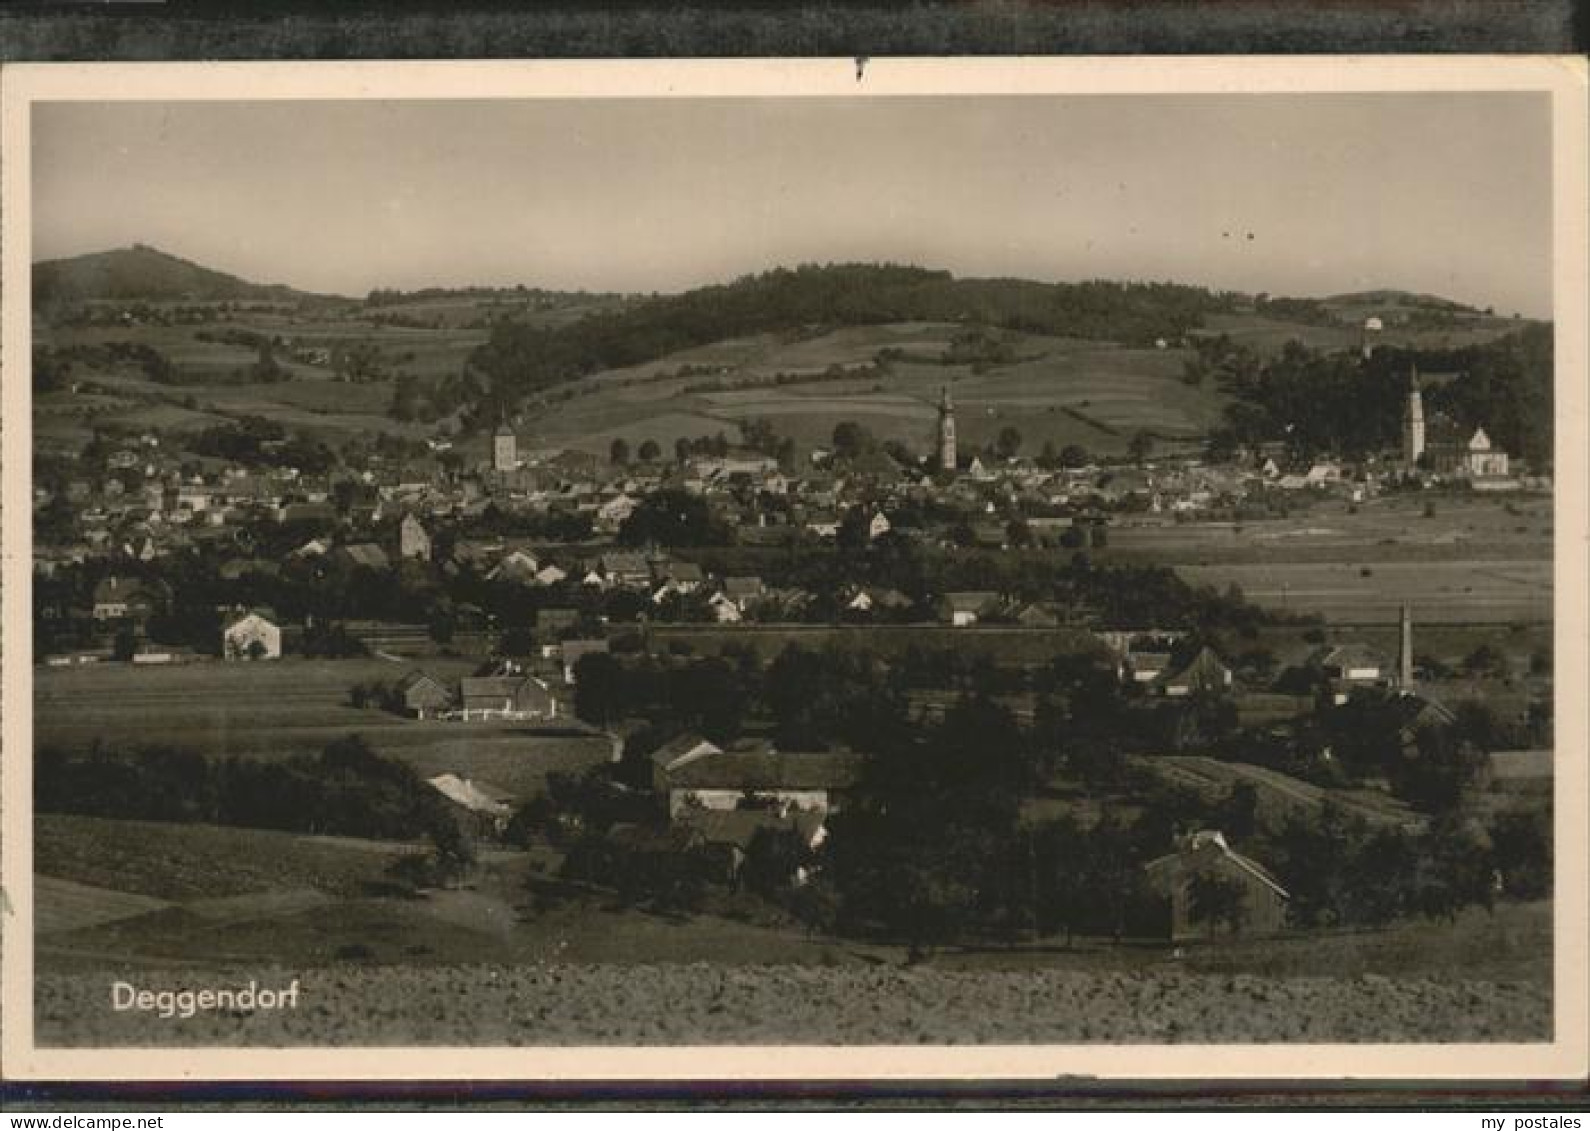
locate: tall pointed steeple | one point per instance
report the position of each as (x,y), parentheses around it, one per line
(1413,421)
(946,431)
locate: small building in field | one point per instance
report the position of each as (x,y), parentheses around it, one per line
(251,636)
(482,809)
(423,697)
(1209,889)
(522,697)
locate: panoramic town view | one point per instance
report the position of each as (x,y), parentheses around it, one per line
(719,574)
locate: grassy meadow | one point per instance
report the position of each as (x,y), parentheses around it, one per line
(290,707)
(1473,559)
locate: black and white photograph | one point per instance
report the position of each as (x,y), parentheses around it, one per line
(826,556)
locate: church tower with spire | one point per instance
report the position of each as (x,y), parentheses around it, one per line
(946,432)
(1413,421)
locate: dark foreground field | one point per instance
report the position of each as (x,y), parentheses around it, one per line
(516,959)
(715,1004)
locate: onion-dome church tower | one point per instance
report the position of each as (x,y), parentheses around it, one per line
(946,432)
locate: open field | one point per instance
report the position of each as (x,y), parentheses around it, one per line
(1122,389)
(1389,528)
(1473,591)
(495,963)
(209,373)
(288,707)
(1476,559)
(172,863)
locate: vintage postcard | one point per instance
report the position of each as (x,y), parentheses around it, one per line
(777,570)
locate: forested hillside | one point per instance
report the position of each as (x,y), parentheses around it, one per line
(521,359)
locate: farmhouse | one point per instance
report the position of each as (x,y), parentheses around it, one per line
(253,635)
(696,774)
(422,696)
(1202,674)
(1207,886)
(507,696)
(125,598)
(724,837)
(1344,666)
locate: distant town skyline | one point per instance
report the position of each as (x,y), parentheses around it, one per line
(1306,195)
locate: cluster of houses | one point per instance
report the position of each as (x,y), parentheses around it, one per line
(507,693)
(713,802)
(143,500)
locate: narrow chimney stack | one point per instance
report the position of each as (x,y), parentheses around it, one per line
(1405,650)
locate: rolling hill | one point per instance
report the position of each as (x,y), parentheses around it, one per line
(145,273)
(1085,363)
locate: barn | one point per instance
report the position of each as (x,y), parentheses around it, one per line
(423,697)
(1210,889)
(507,696)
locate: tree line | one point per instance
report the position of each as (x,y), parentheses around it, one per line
(345,790)
(521,359)
(1337,403)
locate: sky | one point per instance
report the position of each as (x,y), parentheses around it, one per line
(1304,195)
